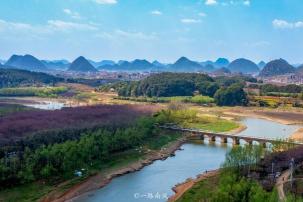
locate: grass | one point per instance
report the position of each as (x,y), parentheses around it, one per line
(197,99)
(201,191)
(162,140)
(25,193)
(33,91)
(35,191)
(273,101)
(213,124)
(216,126)
(6,109)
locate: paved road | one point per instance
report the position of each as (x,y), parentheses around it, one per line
(280,184)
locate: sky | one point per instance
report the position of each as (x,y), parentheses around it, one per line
(161,30)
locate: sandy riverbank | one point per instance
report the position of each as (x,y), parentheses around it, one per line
(280,116)
(101,179)
(298,135)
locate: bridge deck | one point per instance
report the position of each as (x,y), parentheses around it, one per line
(225,135)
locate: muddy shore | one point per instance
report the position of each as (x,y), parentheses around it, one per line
(101,179)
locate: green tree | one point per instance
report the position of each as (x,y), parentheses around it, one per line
(231,96)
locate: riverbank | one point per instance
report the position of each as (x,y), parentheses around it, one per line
(280,116)
(181,188)
(298,135)
(290,118)
(101,179)
(276,115)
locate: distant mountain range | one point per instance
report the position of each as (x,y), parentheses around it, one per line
(81,64)
(277,67)
(261,65)
(102,63)
(56,64)
(300,69)
(27,62)
(243,66)
(136,65)
(186,65)
(183,64)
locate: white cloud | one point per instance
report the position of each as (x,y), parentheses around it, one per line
(156,12)
(202,14)
(65,26)
(16,26)
(236,3)
(283,24)
(106,1)
(190,21)
(135,35)
(246,2)
(51,26)
(211,2)
(258,44)
(299,24)
(72,14)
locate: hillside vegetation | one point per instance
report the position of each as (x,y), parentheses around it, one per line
(33,91)
(225,91)
(15,77)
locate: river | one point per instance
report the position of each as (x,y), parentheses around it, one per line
(154,182)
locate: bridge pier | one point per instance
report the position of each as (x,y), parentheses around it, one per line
(212,138)
(263,144)
(223,140)
(250,142)
(202,137)
(236,141)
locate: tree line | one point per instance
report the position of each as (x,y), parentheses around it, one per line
(16,77)
(62,159)
(225,90)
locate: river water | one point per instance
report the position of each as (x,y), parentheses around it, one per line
(154,182)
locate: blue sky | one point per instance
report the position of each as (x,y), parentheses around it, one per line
(153,29)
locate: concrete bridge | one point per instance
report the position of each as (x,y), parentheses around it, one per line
(224,136)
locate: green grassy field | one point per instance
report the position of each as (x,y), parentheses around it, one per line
(201,191)
(6,109)
(213,124)
(33,91)
(197,99)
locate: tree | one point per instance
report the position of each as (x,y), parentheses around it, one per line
(231,96)
(208,88)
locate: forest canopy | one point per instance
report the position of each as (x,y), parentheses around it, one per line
(226,90)
(16,77)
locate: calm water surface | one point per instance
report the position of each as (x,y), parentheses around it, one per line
(47,105)
(154,182)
